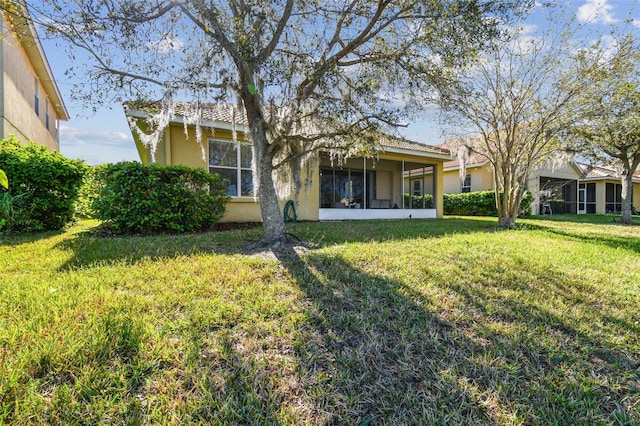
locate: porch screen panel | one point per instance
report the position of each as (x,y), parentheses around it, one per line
(591,198)
(342,188)
(613,198)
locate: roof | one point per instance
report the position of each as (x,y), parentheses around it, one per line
(474,159)
(223,114)
(33,48)
(409,145)
(602,172)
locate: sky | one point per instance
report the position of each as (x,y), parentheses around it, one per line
(104,136)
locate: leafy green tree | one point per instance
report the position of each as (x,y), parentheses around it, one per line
(516,100)
(309,74)
(610,131)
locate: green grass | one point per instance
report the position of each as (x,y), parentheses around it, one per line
(390,322)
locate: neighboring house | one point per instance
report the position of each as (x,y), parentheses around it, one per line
(30,103)
(558,186)
(599,190)
(357,188)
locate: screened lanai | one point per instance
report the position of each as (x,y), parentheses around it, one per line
(361,188)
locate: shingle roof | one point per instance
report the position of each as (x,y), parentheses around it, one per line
(599,171)
(474,159)
(401,143)
(214,112)
(223,113)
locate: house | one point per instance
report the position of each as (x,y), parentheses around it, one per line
(599,190)
(559,186)
(31,106)
(360,187)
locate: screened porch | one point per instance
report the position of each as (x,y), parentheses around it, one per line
(360,188)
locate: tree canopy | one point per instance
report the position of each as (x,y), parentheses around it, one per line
(516,100)
(610,128)
(308,73)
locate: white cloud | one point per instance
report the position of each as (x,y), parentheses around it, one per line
(596,11)
(74,136)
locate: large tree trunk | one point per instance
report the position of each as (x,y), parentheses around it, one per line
(506,215)
(627,191)
(272,219)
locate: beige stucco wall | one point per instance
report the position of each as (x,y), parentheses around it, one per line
(481,179)
(18,89)
(176,148)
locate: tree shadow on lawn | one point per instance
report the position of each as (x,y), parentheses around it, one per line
(90,249)
(15,240)
(631,243)
(376,350)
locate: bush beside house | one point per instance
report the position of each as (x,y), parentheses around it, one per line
(480,203)
(43,187)
(137,198)
(418,201)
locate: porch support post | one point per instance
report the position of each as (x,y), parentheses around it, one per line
(438,188)
(402,185)
(364,192)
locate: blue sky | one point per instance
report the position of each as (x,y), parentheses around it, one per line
(104,137)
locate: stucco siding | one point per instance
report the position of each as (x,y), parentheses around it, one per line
(19,87)
(481,179)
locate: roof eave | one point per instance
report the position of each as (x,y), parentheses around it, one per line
(223,125)
(416,153)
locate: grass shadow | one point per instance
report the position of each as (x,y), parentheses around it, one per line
(89,249)
(376,351)
(630,243)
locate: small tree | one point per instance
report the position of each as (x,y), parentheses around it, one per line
(517,98)
(610,130)
(309,74)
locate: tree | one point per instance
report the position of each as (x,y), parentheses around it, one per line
(517,99)
(610,130)
(308,73)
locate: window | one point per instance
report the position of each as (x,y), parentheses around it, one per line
(232,161)
(466,185)
(46,113)
(416,187)
(36,96)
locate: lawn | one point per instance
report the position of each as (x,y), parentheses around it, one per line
(443,321)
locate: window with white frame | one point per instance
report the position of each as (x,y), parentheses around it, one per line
(232,161)
(466,185)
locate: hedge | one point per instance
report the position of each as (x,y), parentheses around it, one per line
(137,198)
(43,187)
(480,203)
(417,201)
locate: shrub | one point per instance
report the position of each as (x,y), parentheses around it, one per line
(87,194)
(415,201)
(46,183)
(480,203)
(136,198)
